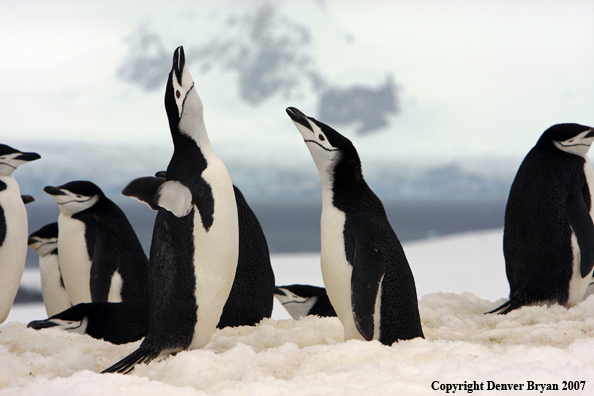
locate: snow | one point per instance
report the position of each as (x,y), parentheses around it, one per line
(282,356)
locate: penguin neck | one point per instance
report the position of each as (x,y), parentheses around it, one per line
(188,160)
(192,129)
(343,175)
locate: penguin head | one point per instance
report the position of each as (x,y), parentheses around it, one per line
(325,144)
(182,103)
(76,196)
(572,138)
(10,159)
(45,240)
(297,299)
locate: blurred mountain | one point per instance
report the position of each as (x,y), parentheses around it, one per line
(112,167)
(269,54)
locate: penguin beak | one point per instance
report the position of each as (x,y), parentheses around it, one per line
(41,324)
(590,134)
(279,291)
(27,199)
(298,117)
(179,61)
(53,191)
(27,157)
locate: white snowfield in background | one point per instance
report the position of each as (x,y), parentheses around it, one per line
(533,349)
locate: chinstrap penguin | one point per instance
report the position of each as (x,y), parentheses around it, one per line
(101,258)
(365,271)
(13,226)
(45,242)
(303,300)
(548,238)
(115,322)
(195,243)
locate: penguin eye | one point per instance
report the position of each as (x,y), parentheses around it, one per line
(78,196)
(321,137)
(177,94)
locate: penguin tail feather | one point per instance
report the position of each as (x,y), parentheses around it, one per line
(124,366)
(507,307)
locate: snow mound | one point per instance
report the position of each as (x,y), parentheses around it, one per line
(287,357)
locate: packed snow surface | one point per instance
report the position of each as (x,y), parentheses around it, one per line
(544,345)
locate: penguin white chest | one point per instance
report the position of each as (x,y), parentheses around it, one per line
(216,253)
(577,284)
(55,296)
(75,263)
(14,247)
(336,271)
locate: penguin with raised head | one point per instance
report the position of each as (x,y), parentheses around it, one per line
(303,300)
(45,242)
(101,258)
(548,237)
(365,270)
(13,226)
(195,243)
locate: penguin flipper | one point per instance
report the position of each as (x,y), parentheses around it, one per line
(369,268)
(578,216)
(139,356)
(144,190)
(101,277)
(174,197)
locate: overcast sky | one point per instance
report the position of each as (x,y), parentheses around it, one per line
(474,77)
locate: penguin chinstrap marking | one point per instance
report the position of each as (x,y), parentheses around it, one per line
(548,237)
(45,242)
(100,256)
(195,243)
(365,271)
(13,226)
(303,300)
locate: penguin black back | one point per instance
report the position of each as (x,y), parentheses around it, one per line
(549,202)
